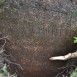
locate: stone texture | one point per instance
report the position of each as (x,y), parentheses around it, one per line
(39,29)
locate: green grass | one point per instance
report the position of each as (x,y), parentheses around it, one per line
(75,40)
(6,72)
(74,73)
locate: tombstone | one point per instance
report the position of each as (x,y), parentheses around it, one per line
(38,30)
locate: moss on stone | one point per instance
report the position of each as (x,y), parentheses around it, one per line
(1,2)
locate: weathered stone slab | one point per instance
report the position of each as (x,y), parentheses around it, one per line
(39,29)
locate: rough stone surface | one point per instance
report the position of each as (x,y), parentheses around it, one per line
(39,29)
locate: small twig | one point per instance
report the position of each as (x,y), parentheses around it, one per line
(6,37)
(13,63)
(63,12)
(67,67)
(5,55)
(16,64)
(1,51)
(2,47)
(60,73)
(3,44)
(1,63)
